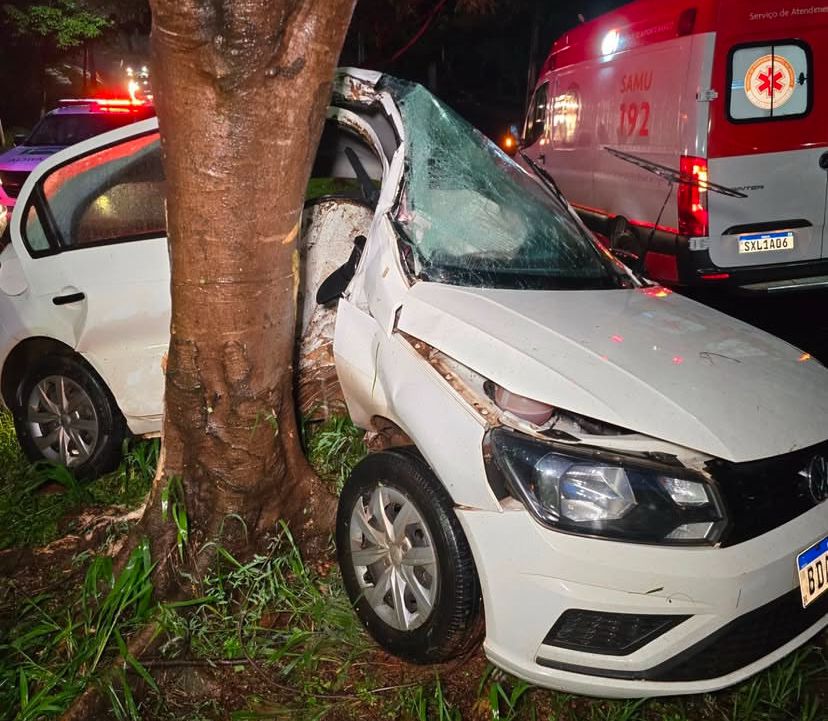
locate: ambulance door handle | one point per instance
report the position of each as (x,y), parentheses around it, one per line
(823,161)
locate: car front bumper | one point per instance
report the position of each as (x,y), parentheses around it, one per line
(742,604)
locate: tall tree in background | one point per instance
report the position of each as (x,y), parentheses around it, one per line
(242,87)
(54,27)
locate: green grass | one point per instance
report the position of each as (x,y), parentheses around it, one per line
(334,447)
(31,517)
(320,187)
(279,628)
(56,646)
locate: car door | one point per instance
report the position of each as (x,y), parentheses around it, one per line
(95,233)
(768,139)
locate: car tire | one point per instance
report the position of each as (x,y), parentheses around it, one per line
(429,610)
(65,414)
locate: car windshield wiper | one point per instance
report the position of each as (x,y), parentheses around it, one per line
(672,175)
(545,177)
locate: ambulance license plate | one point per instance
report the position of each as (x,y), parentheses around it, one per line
(764,242)
(812,566)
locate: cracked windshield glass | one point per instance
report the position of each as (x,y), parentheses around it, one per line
(473,217)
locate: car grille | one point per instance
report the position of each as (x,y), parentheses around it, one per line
(762,495)
(743,641)
(616,634)
(12,181)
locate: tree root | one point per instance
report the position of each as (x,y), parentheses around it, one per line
(94,532)
(90,703)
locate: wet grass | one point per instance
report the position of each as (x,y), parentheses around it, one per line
(272,637)
(35,499)
(334,447)
(59,644)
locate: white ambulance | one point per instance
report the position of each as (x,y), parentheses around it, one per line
(690,134)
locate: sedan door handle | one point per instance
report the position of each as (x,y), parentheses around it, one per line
(69,298)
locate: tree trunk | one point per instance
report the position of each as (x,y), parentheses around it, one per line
(241,88)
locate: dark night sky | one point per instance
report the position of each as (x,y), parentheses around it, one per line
(479,64)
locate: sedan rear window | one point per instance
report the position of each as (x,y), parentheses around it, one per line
(112,195)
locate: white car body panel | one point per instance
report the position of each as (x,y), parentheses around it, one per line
(526,591)
(666,367)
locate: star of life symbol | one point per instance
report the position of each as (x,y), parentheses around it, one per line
(770,82)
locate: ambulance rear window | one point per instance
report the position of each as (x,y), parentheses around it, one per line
(769,81)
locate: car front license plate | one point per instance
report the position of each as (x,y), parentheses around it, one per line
(765,242)
(812,566)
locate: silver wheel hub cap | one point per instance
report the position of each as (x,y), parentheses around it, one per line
(62,421)
(393,558)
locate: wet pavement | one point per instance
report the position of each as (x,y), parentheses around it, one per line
(799,318)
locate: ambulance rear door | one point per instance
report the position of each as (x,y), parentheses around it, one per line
(769,139)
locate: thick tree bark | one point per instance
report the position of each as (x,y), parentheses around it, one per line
(241,91)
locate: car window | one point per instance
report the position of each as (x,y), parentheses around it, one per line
(474,217)
(566,116)
(35,235)
(112,195)
(536,118)
(769,81)
(68,129)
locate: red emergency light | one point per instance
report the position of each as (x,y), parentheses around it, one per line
(112,105)
(693,218)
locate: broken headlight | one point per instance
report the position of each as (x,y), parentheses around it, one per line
(600,493)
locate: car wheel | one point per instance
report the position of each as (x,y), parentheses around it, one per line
(405,561)
(66,415)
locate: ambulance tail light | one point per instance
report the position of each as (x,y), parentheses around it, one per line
(693,219)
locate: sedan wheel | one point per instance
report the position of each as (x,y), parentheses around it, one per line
(66,415)
(393,558)
(62,421)
(406,564)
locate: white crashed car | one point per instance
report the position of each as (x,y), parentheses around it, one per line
(631,484)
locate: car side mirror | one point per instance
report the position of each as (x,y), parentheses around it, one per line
(19,138)
(335,284)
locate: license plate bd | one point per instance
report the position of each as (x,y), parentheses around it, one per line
(765,242)
(812,566)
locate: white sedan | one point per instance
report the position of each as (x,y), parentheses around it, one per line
(632,485)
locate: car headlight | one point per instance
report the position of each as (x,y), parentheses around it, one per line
(601,493)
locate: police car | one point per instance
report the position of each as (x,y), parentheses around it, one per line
(72,122)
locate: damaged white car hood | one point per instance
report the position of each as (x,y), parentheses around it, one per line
(643,359)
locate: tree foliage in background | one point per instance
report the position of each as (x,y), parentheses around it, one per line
(61,24)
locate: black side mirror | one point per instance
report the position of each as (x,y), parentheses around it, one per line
(335,284)
(19,138)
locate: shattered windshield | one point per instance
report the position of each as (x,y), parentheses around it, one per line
(473,217)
